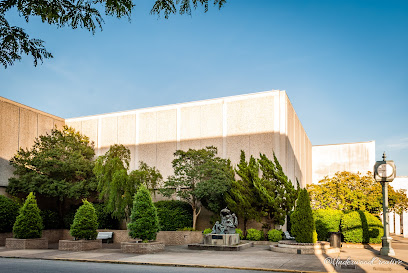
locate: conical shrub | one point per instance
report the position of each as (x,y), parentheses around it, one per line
(28,224)
(303,225)
(85,222)
(144,223)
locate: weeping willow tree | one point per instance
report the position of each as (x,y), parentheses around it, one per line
(116,185)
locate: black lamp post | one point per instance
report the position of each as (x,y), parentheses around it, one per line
(385,172)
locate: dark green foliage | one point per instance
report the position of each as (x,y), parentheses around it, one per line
(276,193)
(68,217)
(144,223)
(58,166)
(275,235)
(8,213)
(85,222)
(240,233)
(254,235)
(51,219)
(174,214)
(361,227)
(28,224)
(105,220)
(200,178)
(242,198)
(207,231)
(303,225)
(327,220)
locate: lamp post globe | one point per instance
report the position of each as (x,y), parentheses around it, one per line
(385,172)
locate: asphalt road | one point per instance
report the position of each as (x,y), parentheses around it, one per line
(46,266)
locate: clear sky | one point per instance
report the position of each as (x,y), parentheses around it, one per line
(343,63)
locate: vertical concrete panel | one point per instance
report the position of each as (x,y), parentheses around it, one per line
(283,116)
(166,140)
(59,124)
(147,138)
(290,172)
(127,135)
(405,224)
(190,128)
(391,221)
(109,131)
(211,126)
(45,125)
(28,128)
(77,125)
(90,129)
(9,128)
(397,224)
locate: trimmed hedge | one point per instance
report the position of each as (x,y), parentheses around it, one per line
(174,214)
(144,223)
(28,224)
(361,227)
(8,213)
(85,222)
(327,220)
(105,219)
(275,235)
(303,225)
(50,219)
(254,234)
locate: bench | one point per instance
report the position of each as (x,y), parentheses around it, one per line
(106,237)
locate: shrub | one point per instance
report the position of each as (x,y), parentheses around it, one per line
(361,227)
(8,213)
(50,219)
(303,226)
(85,222)
(207,231)
(105,219)
(144,223)
(28,224)
(254,234)
(241,234)
(326,220)
(186,229)
(275,235)
(174,214)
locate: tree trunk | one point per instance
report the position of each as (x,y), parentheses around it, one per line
(245,226)
(195,216)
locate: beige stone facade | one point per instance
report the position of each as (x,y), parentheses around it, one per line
(256,123)
(19,126)
(351,157)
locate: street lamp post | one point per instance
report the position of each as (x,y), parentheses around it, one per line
(384,172)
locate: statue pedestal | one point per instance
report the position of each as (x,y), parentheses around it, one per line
(221,239)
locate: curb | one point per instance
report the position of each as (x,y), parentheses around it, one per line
(170,264)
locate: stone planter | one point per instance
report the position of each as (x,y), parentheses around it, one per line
(79,245)
(173,238)
(38,243)
(141,248)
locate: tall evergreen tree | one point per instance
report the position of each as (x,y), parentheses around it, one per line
(144,223)
(303,225)
(28,224)
(241,198)
(85,222)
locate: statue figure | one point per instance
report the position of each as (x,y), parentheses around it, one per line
(229,223)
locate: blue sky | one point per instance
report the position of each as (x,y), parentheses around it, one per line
(343,63)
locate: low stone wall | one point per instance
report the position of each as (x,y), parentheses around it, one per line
(142,248)
(39,243)
(180,237)
(52,235)
(80,245)
(3,237)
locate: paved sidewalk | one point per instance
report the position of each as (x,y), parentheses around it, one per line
(257,258)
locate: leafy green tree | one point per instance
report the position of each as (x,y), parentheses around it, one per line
(74,14)
(9,211)
(200,178)
(303,225)
(28,224)
(242,198)
(85,222)
(144,223)
(116,186)
(353,191)
(275,191)
(58,167)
